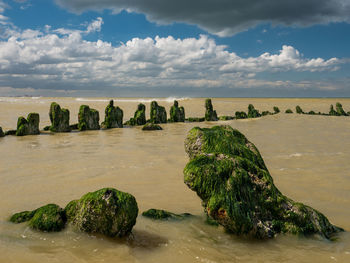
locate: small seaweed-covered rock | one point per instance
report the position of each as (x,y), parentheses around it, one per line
(29,126)
(88,119)
(113,117)
(151,127)
(177,114)
(241,115)
(340,110)
(276,110)
(139,116)
(157,113)
(2,134)
(225,118)
(158,214)
(265,113)
(210,113)
(252,112)
(228,173)
(195,119)
(59,118)
(48,218)
(299,110)
(289,111)
(107,211)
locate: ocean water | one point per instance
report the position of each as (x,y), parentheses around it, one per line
(308,157)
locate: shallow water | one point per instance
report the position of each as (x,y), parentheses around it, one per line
(308,157)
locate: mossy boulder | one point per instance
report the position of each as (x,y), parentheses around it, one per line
(241,115)
(177,114)
(228,173)
(113,117)
(252,112)
(157,113)
(59,118)
(139,116)
(158,214)
(210,113)
(151,127)
(195,119)
(107,211)
(288,111)
(2,134)
(48,218)
(88,119)
(340,110)
(29,126)
(299,110)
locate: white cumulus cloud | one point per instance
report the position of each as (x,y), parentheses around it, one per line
(62,59)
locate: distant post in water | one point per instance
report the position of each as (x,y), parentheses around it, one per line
(29,126)
(210,113)
(157,113)
(177,114)
(113,117)
(88,118)
(59,118)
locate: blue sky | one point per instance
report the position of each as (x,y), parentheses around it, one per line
(199,48)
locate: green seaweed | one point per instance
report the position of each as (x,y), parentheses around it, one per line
(241,115)
(252,112)
(298,110)
(151,127)
(158,214)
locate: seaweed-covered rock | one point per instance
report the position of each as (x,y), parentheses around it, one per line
(113,117)
(139,116)
(265,113)
(225,118)
(340,110)
(10,132)
(107,211)
(88,119)
(195,119)
(252,112)
(228,173)
(276,110)
(241,115)
(177,114)
(2,134)
(29,126)
(157,113)
(289,111)
(298,110)
(210,113)
(48,218)
(311,112)
(59,118)
(151,127)
(158,214)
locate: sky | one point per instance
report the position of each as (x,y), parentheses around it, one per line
(183,48)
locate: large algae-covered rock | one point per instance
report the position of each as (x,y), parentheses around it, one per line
(48,218)
(157,113)
(177,114)
(210,113)
(228,173)
(59,118)
(2,134)
(88,119)
(139,116)
(252,112)
(106,211)
(29,126)
(113,117)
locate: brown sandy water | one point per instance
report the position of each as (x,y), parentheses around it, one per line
(308,157)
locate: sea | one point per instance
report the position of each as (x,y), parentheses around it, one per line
(307,156)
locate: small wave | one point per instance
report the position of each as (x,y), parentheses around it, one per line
(142,100)
(295,155)
(18,99)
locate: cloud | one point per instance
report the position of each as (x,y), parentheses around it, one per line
(60,59)
(226,17)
